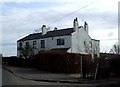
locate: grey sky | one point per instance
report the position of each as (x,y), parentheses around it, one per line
(20,18)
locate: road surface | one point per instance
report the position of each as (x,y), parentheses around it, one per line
(15,81)
(11,79)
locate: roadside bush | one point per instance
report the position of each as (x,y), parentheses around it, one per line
(62,62)
(109,66)
(13,61)
(115,65)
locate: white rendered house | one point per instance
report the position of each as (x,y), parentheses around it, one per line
(73,40)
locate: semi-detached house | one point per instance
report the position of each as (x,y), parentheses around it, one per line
(72,40)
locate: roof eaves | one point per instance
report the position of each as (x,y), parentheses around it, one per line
(61,32)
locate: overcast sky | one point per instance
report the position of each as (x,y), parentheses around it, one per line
(22,17)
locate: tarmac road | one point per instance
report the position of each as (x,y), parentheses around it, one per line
(11,79)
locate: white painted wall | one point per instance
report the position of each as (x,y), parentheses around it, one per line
(78,38)
(50,43)
(81,41)
(75,41)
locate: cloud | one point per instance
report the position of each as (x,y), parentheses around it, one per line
(19,19)
(62,1)
(9,50)
(107,37)
(104,34)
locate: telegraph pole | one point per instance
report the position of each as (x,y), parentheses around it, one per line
(96,71)
(81,67)
(118,49)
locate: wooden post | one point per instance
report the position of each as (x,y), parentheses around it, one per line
(118,49)
(81,67)
(96,71)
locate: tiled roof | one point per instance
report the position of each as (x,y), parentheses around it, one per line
(61,32)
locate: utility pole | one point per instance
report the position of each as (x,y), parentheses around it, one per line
(118,49)
(96,71)
(81,67)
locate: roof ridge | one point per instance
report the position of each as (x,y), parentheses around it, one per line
(60,32)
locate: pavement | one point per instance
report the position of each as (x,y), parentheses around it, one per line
(37,75)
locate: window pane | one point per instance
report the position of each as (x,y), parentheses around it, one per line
(20,44)
(60,41)
(27,43)
(42,43)
(34,42)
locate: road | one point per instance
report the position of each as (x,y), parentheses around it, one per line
(15,81)
(11,79)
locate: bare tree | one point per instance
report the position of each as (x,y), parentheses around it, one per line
(27,51)
(115,49)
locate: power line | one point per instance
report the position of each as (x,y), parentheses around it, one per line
(73,12)
(109,39)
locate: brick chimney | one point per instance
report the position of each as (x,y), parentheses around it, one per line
(75,24)
(86,27)
(44,30)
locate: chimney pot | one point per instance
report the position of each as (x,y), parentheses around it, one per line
(55,28)
(44,29)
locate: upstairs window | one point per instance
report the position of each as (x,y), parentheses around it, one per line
(34,43)
(20,44)
(60,41)
(27,43)
(42,43)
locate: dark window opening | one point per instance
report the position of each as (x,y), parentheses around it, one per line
(42,43)
(60,42)
(20,44)
(84,43)
(34,43)
(27,43)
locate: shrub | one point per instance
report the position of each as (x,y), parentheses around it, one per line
(62,62)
